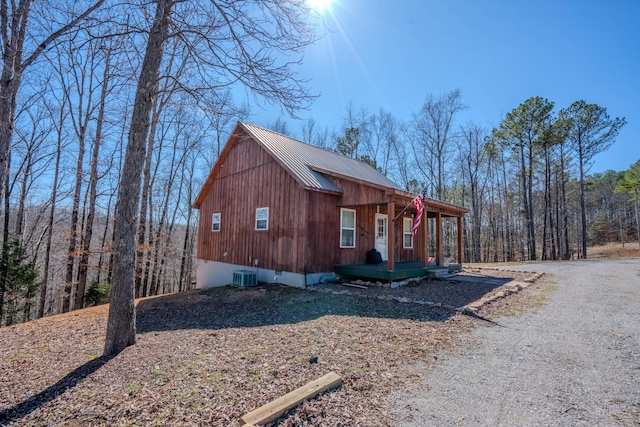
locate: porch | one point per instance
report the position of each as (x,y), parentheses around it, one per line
(402,270)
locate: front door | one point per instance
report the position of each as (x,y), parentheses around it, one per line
(381,235)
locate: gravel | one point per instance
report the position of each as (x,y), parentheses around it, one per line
(574,361)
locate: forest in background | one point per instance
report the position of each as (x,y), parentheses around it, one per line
(526,180)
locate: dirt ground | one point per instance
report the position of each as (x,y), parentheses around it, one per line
(207,357)
(614,251)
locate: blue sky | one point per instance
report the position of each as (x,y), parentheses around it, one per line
(392,54)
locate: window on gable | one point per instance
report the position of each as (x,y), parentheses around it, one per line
(215,221)
(262,219)
(407,241)
(347,228)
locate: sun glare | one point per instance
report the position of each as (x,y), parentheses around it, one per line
(319,5)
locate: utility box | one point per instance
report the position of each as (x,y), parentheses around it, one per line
(245,278)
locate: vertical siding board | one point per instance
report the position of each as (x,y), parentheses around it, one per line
(255,202)
(322,244)
(300,236)
(282,243)
(290,224)
(270,246)
(294,199)
(311,230)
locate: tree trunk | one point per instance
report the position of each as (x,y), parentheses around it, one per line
(4,252)
(583,212)
(121,325)
(637,217)
(505,220)
(103,243)
(530,217)
(183,285)
(120,151)
(547,209)
(83,267)
(28,164)
(9,86)
(565,213)
(525,195)
(54,197)
(73,228)
(147,184)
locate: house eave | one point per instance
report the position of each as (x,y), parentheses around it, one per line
(354,179)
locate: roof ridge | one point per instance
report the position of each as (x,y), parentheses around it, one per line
(296,139)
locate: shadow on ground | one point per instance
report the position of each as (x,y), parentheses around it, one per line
(230,307)
(67,382)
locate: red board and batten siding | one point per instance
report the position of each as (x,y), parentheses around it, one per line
(304,225)
(366,234)
(366,200)
(250,178)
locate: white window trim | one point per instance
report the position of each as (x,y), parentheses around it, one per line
(347,228)
(214,222)
(262,219)
(406,221)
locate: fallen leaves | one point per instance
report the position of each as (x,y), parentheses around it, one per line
(207,357)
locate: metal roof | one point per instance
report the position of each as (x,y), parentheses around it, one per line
(309,163)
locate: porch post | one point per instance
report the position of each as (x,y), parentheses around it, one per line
(391,236)
(438,239)
(460,240)
(423,240)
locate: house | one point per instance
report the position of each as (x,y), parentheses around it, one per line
(294,213)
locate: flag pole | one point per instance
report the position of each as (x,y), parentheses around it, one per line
(405,208)
(423,193)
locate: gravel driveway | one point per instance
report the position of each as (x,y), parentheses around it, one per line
(573,362)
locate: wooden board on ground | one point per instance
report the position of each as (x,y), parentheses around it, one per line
(276,408)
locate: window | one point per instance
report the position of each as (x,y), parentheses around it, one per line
(347,228)
(382,228)
(407,241)
(262,219)
(215,221)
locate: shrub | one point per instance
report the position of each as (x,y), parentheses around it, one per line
(97,293)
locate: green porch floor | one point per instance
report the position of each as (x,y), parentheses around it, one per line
(403,270)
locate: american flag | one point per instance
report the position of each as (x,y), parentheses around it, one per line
(419,204)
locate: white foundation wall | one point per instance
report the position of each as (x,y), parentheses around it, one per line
(210,274)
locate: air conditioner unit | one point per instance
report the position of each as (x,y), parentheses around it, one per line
(245,278)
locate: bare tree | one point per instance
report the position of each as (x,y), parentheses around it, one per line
(229,41)
(474,159)
(15,24)
(79,92)
(433,130)
(106,50)
(222,112)
(386,131)
(314,135)
(281,126)
(62,111)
